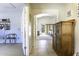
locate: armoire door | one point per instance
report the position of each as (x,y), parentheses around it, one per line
(67,39)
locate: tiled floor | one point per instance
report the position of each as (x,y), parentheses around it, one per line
(43,47)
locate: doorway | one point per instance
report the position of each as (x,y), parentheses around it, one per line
(44,37)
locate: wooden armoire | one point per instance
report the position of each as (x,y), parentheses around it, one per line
(63,37)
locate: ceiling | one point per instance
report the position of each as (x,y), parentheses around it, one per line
(11,6)
(44,15)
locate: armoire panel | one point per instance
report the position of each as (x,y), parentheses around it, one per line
(64,38)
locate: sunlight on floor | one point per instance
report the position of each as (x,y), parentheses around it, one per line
(42,43)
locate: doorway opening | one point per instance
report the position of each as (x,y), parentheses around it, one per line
(44,35)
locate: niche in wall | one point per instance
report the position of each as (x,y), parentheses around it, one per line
(69,13)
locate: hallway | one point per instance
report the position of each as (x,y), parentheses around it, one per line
(43,46)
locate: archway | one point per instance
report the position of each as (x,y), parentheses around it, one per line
(42,17)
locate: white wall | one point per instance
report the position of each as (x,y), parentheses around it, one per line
(26,22)
(30,32)
(25,29)
(15,18)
